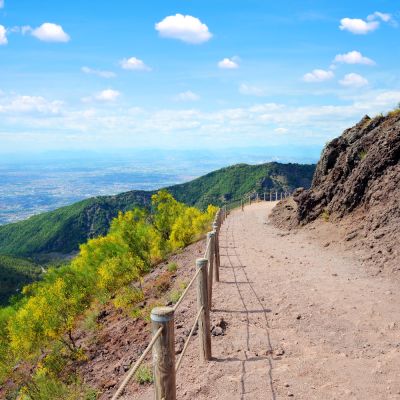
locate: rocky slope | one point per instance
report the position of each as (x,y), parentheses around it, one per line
(356,186)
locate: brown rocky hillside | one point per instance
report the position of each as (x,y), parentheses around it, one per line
(356,186)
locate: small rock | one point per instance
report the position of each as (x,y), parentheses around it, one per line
(217,331)
(299,316)
(280,352)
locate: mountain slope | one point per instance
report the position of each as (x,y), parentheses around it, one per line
(15,273)
(62,230)
(357,186)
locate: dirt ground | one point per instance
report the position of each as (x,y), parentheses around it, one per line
(305,319)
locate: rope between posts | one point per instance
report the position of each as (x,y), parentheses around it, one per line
(137,364)
(186,290)
(178,364)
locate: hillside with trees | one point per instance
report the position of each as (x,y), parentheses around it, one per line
(64,229)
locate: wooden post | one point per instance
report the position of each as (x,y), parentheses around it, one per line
(210,258)
(216,252)
(276,195)
(202,301)
(164,353)
(241,204)
(270,195)
(264,196)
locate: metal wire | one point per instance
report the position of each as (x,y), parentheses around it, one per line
(136,365)
(178,364)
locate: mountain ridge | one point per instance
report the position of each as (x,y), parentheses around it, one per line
(62,230)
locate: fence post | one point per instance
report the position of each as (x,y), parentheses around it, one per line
(216,252)
(164,353)
(210,258)
(270,195)
(241,205)
(202,301)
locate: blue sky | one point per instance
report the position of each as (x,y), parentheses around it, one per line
(192,73)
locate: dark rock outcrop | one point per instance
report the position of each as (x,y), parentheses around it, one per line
(358,169)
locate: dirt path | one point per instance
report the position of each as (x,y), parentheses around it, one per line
(304,321)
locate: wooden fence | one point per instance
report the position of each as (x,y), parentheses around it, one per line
(162,344)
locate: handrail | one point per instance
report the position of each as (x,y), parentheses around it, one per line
(164,314)
(177,304)
(178,364)
(136,365)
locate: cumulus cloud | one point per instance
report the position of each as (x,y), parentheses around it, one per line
(107,95)
(353,57)
(358,26)
(49,32)
(250,90)
(3,35)
(362,27)
(98,72)
(318,75)
(228,63)
(134,64)
(353,80)
(185,28)
(187,96)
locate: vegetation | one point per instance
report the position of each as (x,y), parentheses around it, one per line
(14,274)
(144,375)
(38,330)
(64,229)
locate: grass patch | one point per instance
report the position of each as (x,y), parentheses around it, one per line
(325,215)
(144,375)
(172,267)
(362,154)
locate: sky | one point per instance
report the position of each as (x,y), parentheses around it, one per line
(187,74)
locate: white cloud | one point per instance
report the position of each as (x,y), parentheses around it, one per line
(134,64)
(281,130)
(318,75)
(107,95)
(1,3)
(353,57)
(353,80)
(97,72)
(3,35)
(249,90)
(30,104)
(184,27)
(378,15)
(187,96)
(49,32)
(361,27)
(228,63)
(358,26)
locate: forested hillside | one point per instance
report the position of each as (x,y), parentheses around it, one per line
(62,230)
(15,273)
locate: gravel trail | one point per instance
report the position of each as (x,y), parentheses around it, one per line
(303,321)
